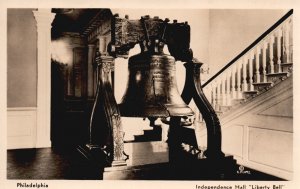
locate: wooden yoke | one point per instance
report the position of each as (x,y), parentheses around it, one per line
(152,34)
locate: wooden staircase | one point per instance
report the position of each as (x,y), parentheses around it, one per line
(152,134)
(261,66)
(259,88)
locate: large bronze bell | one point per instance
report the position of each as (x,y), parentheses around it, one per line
(152,89)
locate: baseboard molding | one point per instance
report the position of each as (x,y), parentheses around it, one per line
(21,127)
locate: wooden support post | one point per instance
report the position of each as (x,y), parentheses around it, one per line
(192,89)
(105,131)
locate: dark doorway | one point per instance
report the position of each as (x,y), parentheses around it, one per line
(70,107)
(69,114)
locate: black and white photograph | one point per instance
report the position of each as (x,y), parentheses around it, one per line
(117,95)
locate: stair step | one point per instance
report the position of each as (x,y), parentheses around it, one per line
(143,138)
(149,135)
(189,136)
(237,101)
(219,113)
(249,94)
(277,77)
(262,86)
(287,67)
(225,108)
(153,130)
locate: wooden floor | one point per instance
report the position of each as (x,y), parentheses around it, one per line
(48,163)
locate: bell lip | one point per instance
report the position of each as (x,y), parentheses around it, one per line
(125,111)
(176,113)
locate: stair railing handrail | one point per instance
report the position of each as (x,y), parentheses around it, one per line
(251,46)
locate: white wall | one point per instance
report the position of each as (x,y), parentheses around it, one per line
(21,58)
(21,130)
(21,78)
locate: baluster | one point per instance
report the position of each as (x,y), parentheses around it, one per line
(223,78)
(287,42)
(291,39)
(264,61)
(213,95)
(244,77)
(207,93)
(271,54)
(279,34)
(228,99)
(251,70)
(217,94)
(239,91)
(233,72)
(257,64)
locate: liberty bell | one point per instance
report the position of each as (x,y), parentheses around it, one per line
(152,88)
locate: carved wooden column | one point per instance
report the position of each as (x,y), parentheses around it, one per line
(105,130)
(43,18)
